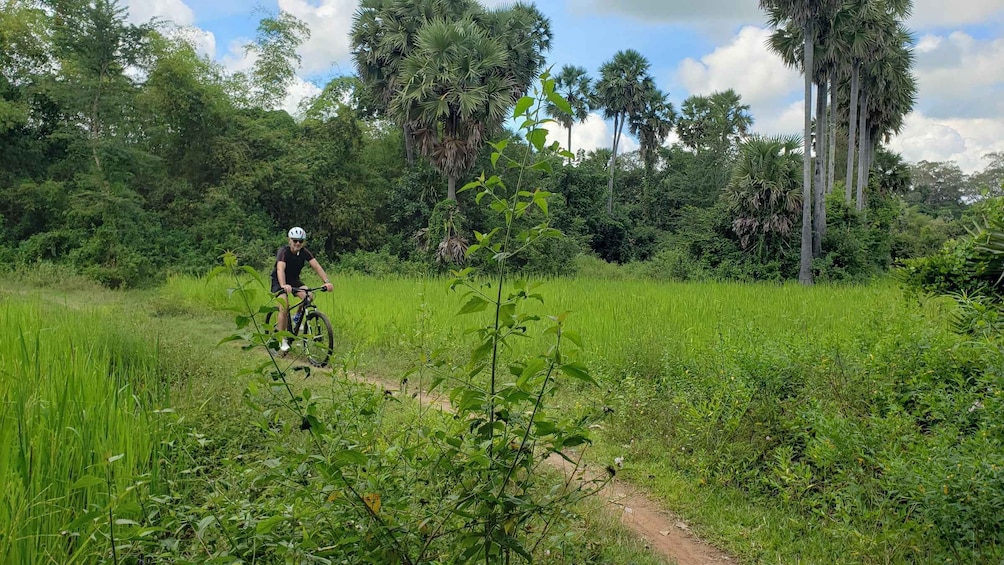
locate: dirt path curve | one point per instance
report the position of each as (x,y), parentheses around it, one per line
(663,532)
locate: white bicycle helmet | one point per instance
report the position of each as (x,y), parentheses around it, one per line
(297,233)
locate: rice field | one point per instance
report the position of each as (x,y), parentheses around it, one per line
(80,432)
(84,425)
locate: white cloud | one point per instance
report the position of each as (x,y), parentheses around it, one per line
(594,133)
(690,12)
(174,11)
(960,75)
(330,22)
(964,141)
(939,13)
(298,91)
(203,41)
(236,59)
(746,65)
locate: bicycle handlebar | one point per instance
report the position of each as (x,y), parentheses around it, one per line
(297,289)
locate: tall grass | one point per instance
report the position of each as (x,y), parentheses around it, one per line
(628,327)
(79,438)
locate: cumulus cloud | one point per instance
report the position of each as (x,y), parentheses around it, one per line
(330,22)
(203,41)
(298,91)
(939,13)
(744,64)
(958,75)
(174,11)
(594,133)
(964,141)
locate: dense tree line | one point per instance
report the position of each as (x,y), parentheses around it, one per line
(128,155)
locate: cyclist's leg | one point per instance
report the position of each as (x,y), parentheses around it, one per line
(282,300)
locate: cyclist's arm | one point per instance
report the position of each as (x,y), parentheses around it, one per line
(320,272)
(280,275)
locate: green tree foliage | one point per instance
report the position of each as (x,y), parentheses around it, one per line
(275,59)
(764,194)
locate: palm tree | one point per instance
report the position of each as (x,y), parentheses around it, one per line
(763,194)
(891,93)
(805,14)
(717,123)
(573,84)
(863,30)
(624,83)
(652,125)
(383,34)
(788,42)
(455,85)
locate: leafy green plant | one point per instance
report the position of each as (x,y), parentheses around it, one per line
(469,488)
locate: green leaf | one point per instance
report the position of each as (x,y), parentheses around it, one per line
(475,304)
(560,102)
(269,524)
(349,457)
(578,371)
(86,481)
(495,159)
(572,337)
(522,106)
(537,138)
(543,165)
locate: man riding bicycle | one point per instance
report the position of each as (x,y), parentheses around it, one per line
(289,261)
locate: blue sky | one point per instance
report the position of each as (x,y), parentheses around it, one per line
(695,47)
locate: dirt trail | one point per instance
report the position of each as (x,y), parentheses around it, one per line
(663,532)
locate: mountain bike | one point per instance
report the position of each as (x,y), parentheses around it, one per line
(311,329)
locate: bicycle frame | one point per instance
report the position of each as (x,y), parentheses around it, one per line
(301,308)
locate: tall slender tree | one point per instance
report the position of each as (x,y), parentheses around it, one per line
(621,91)
(573,84)
(652,125)
(806,14)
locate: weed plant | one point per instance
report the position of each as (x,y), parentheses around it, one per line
(466,488)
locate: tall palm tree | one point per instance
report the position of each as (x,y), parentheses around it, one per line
(764,193)
(652,125)
(621,91)
(863,30)
(890,90)
(454,86)
(805,14)
(573,84)
(383,34)
(788,42)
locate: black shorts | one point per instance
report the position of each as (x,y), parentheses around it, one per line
(276,289)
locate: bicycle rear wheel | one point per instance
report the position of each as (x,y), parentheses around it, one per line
(317,338)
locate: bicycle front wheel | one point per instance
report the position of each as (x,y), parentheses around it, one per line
(317,338)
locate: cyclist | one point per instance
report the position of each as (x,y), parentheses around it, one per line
(289,261)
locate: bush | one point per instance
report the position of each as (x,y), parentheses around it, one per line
(381,264)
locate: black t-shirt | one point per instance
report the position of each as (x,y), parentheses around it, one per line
(294,264)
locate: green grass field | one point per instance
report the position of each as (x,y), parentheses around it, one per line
(786,424)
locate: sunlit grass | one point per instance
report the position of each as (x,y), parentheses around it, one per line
(79,438)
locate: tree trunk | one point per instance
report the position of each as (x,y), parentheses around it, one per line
(451,188)
(862,151)
(570,142)
(831,144)
(409,146)
(613,164)
(805,255)
(852,124)
(818,192)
